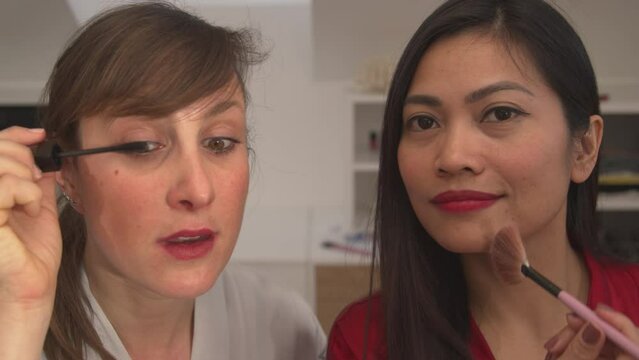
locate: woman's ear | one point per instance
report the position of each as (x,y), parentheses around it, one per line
(587,150)
(66,179)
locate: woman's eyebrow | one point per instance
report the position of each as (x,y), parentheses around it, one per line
(493,88)
(221,107)
(422,99)
(430,100)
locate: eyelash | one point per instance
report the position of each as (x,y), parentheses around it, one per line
(227,147)
(153,146)
(514,112)
(414,120)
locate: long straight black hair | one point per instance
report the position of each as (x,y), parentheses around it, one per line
(424,296)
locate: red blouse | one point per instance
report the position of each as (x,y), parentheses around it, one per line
(615,285)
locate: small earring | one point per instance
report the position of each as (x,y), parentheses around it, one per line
(69,200)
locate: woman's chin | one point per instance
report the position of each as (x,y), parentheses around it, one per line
(186,286)
(465,245)
(466,238)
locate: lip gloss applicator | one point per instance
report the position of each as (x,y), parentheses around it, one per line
(510,263)
(48,156)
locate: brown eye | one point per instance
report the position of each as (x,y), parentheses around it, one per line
(219,144)
(502,113)
(421,122)
(425,123)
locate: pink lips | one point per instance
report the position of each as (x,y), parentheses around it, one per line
(188,244)
(464,200)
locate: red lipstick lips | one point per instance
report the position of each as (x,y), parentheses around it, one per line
(189,244)
(464,200)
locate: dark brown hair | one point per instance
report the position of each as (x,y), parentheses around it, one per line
(423,287)
(147,59)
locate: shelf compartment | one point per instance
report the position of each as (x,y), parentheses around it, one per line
(619,201)
(365,197)
(367,131)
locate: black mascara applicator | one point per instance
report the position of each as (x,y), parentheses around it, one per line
(48,156)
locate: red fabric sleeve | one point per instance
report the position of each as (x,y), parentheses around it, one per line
(338,347)
(349,333)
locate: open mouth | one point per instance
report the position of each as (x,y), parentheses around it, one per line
(189,239)
(189,245)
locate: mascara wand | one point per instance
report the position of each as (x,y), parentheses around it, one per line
(48,157)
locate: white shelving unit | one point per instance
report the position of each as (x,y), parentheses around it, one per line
(621,129)
(626,201)
(366,116)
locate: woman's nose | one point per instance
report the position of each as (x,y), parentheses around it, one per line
(193,185)
(459,151)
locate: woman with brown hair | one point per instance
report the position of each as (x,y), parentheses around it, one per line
(135,267)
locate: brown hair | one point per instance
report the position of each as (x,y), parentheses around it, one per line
(147,59)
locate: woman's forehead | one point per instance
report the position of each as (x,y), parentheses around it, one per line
(464,52)
(230,96)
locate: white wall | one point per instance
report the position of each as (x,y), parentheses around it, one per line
(299,136)
(32,34)
(609,31)
(347,32)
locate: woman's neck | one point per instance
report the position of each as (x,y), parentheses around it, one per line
(150,326)
(511,315)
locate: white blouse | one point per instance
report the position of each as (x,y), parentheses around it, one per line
(240,318)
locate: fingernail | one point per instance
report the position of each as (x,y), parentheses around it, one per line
(549,356)
(37,173)
(36,130)
(591,335)
(604,307)
(550,343)
(572,317)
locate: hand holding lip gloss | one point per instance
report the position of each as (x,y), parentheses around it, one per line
(510,263)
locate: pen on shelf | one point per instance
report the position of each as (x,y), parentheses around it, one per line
(345,248)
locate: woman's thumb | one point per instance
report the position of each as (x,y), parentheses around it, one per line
(586,345)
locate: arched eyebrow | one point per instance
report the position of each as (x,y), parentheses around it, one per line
(221,107)
(422,99)
(430,100)
(493,88)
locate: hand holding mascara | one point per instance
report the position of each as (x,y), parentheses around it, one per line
(31,242)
